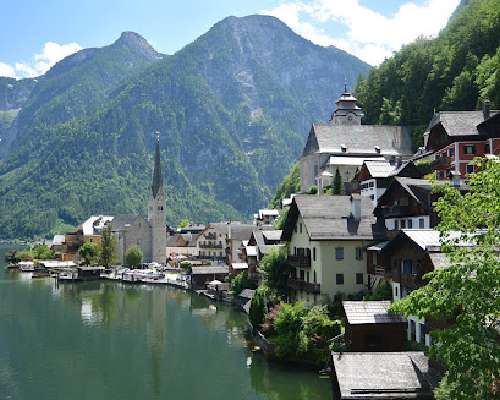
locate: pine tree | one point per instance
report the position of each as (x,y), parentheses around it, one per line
(337,183)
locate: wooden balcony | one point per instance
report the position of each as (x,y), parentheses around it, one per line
(299,284)
(299,261)
(209,245)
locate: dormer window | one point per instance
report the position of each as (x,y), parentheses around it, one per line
(343,148)
(377,149)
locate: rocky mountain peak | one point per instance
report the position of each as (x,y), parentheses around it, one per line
(137,43)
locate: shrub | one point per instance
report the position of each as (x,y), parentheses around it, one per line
(288,327)
(241,281)
(382,292)
(133,257)
(258,306)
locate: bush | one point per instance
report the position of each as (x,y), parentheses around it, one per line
(317,328)
(383,292)
(241,281)
(186,266)
(276,270)
(288,327)
(258,306)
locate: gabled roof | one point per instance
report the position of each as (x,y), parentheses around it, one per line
(358,139)
(370,312)
(273,236)
(388,375)
(458,123)
(329,218)
(379,168)
(241,231)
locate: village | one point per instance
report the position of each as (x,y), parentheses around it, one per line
(359,235)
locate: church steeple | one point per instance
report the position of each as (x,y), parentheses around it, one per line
(157,176)
(347,111)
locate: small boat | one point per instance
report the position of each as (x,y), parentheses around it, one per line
(67,276)
(11,266)
(40,274)
(26,266)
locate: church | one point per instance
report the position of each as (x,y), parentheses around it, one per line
(343,143)
(150,235)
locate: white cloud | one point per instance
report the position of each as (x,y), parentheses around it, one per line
(42,62)
(7,70)
(368,34)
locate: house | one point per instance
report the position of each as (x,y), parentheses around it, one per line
(202,276)
(212,242)
(327,238)
(457,137)
(237,234)
(375,176)
(408,204)
(266,216)
(370,327)
(343,143)
(182,244)
(403,262)
(383,375)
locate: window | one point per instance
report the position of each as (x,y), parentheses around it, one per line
(372,197)
(413,330)
(470,168)
(410,224)
(407,267)
(314,253)
(359,253)
(451,152)
(470,149)
(339,253)
(307,276)
(315,170)
(359,278)
(314,276)
(395,292)
(486,148)
(396,224)
(343,148)
(421,223)
(301,228)
(339,279)
(403,224)
(301,274)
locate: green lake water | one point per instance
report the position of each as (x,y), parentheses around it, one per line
(104,340)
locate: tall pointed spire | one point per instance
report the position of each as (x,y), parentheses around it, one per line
(157,176)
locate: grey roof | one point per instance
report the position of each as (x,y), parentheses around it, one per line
(274,236)
(209,270)
(328,218)
(157,176)
(439,260)
(458,123)
(380,168)
(247,293)
(389,375)
(360,139)
(261,243)
(241,231)
(124,221)
(370,312)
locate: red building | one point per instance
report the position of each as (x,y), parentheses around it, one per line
(457,137)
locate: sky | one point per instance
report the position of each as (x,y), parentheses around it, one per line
(35,34)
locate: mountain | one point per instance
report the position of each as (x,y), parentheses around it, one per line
(454,71)
(233,109)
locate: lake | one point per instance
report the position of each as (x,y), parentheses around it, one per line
(105,340)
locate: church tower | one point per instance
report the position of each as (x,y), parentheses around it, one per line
(347,112)
(156,211)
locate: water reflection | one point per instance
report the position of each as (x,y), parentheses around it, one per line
(132,341)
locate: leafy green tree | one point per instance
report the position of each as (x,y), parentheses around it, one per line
(276,270)
(337,183)
(241,281)
(42,252)
(133,256)
(107,247)
(279,222)
(467,292)
(317,328)
(288,327)
(186,266)
(89,252)
(183,223)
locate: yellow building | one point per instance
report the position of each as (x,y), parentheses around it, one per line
(327,238)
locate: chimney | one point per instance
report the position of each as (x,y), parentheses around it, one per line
(356,206)
(426,138)
(486,109)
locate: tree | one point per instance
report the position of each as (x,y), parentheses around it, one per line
(288,326)
(466,292)
(276,270)
(337,183)
(89,251)
(107,247)
(133,256)
(184,222)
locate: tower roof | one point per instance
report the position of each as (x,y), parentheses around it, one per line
(157,176)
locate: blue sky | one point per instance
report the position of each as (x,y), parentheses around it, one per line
(34,34)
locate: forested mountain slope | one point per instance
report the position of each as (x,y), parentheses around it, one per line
(233,109)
